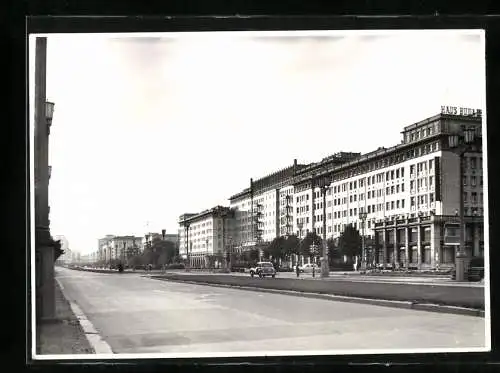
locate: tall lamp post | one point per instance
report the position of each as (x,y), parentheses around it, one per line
(325,270)
(362,217)
(461,144)
(300,225)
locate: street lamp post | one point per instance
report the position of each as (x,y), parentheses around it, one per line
(461,144)
(325,270)
(300,225)
(362,217)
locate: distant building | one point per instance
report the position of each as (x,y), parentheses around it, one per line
(118,247)
(65,258)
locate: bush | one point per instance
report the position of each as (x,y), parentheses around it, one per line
(175,266)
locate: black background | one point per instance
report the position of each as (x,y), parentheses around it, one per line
(59,16)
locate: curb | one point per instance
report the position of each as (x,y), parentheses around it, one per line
(347,299)
(95,340)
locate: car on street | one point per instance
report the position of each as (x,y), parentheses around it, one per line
(308,268)
(263,269)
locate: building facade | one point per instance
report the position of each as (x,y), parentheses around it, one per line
(206,234)
(409,192)
(121,248)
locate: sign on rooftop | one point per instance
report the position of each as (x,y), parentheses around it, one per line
(462,111)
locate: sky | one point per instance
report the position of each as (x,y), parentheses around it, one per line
(148,127)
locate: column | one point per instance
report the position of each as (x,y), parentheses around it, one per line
(384,246)
(407,245)
(396,247)
(435,243)
(419,243)
(476,239)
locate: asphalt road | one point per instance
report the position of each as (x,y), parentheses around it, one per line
(136,314)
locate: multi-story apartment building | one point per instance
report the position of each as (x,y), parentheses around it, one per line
(117,247)
(409,193)
(102,245)
(205,234)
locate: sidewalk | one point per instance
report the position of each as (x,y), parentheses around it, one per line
(64,335)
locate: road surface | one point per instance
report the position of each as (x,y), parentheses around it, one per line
(135,314)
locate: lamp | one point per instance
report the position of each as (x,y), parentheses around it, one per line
(461,143)
(362,216)
(49,110)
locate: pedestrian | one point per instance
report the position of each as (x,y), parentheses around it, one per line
(297,269)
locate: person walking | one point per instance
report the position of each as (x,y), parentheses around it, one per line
(297,269)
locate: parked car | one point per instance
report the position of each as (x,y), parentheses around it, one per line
(307,268)
(263,269)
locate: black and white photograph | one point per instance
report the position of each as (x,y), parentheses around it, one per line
(258,193)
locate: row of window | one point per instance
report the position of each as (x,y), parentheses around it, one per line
(421,133)
(422,200)
(473,180)
(473,197)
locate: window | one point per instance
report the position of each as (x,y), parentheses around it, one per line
(473,162)
(392,189)
(392,175)
(355,185)
(473,181)
(412,184)
(474,197)
(355,212)
(387,205)
(431,197)
(402,187)
(397,203)
(431,164)
(402,172)
(350,198)
(350,212)
(412,169)
(402,203)
(369,209)
(412,201)
(387,191)
(465,196)
(397,188)
(392,205)
(464,180)
(481,180)
(397,173)
(355,197)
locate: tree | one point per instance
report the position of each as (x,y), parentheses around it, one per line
(292,245)
(350,242)
(161,252)
(253,255)
(306,245)
(333,251)
(277,248)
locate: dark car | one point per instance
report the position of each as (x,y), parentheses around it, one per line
(263,269)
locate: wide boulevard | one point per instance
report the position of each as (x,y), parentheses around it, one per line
(136,314)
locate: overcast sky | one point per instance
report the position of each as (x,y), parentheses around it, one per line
(146,129)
